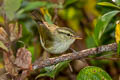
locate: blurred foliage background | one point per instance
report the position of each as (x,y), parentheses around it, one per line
(79,15)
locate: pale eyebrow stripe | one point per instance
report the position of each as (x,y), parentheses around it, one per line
(67,32)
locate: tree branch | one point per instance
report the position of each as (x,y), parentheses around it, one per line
(72,56)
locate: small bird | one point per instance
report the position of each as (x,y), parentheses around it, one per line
(54,39)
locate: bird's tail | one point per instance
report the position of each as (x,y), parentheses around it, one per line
(37,15)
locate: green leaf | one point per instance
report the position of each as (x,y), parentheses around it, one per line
(118,49)
(11,6)
(117,2)
(53,5)
(53,70)
(93,73)
(102,23)
(108,4)
(48,19)
(31,49)
(36,4)
(2,46)
(90,42)
(33,5)
(68,2)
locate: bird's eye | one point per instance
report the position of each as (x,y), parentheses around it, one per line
(68,35)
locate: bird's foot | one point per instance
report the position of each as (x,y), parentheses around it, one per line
(74,51)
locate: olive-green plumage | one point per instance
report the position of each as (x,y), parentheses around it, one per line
(54,39)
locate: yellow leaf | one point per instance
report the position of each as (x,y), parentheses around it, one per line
(90,7)
(1,66)
(1,20)
(117,32)
(44,11)
(3,46)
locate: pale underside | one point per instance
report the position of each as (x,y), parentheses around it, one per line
(58,47)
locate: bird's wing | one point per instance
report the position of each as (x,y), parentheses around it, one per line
(46,35)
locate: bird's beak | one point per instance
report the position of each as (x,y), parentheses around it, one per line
(77,37)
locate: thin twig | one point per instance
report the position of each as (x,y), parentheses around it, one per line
(56,14)
(71,56)
(103,58)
